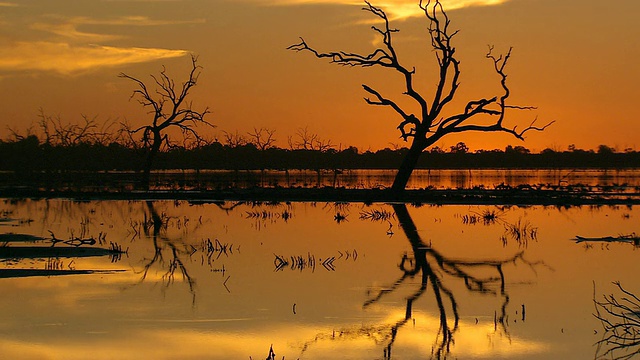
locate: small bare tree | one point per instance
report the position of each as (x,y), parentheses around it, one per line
(430,125)
(304,139)
(234,140)
(262,138)
(169,109)
(57,132)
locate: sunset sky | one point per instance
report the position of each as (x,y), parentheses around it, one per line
(577,61)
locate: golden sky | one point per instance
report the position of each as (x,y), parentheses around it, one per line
(576,61)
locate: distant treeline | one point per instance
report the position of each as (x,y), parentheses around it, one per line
(30,154)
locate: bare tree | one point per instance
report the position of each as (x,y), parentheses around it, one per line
(430,125)
(17,135)
(169,110)
(54,131)
(235,139)
(304,139)
(262,138)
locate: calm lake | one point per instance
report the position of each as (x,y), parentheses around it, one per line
(623,180)
(313,280)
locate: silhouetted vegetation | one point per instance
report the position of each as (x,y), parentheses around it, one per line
(30,154)
(431,124)
(169,109)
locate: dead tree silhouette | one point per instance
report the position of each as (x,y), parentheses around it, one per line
(169,109)
(431,124)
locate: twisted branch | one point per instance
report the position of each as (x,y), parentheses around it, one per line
(428,127)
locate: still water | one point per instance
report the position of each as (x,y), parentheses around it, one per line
(621,179)
(313,280)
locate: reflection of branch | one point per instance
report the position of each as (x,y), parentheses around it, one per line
(434,269)
(620,318)
(157,257)
(159,225)
(432,264)
(380,334)
(177,264)
(228,209)
(388,289)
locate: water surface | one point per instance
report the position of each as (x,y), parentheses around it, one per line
(315,280)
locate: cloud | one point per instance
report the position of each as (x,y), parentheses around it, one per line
(70,31)
(66,59)
(68,28)
(7,4)
(68,48)
(396,9)
(133,21)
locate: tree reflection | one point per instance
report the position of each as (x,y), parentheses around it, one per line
(437,274)
(620,318)
(155,227)
(173,257)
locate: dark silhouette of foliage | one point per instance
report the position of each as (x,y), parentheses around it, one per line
(29,154)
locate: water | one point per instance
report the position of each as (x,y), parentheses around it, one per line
(315,280)
(420,179)
(606,179)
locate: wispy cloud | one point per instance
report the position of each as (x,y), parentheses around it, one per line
(77,45)
(70,31)
(69,28)
(65,59)
(132,21)
(8,4)
(396,9)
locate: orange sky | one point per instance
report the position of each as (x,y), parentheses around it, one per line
(576,61)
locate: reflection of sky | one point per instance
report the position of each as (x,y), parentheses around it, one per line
(159,340)
(119,315)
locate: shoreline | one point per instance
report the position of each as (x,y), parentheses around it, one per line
(547,197)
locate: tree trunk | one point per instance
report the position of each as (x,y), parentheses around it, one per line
(153,151)
(406,168)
